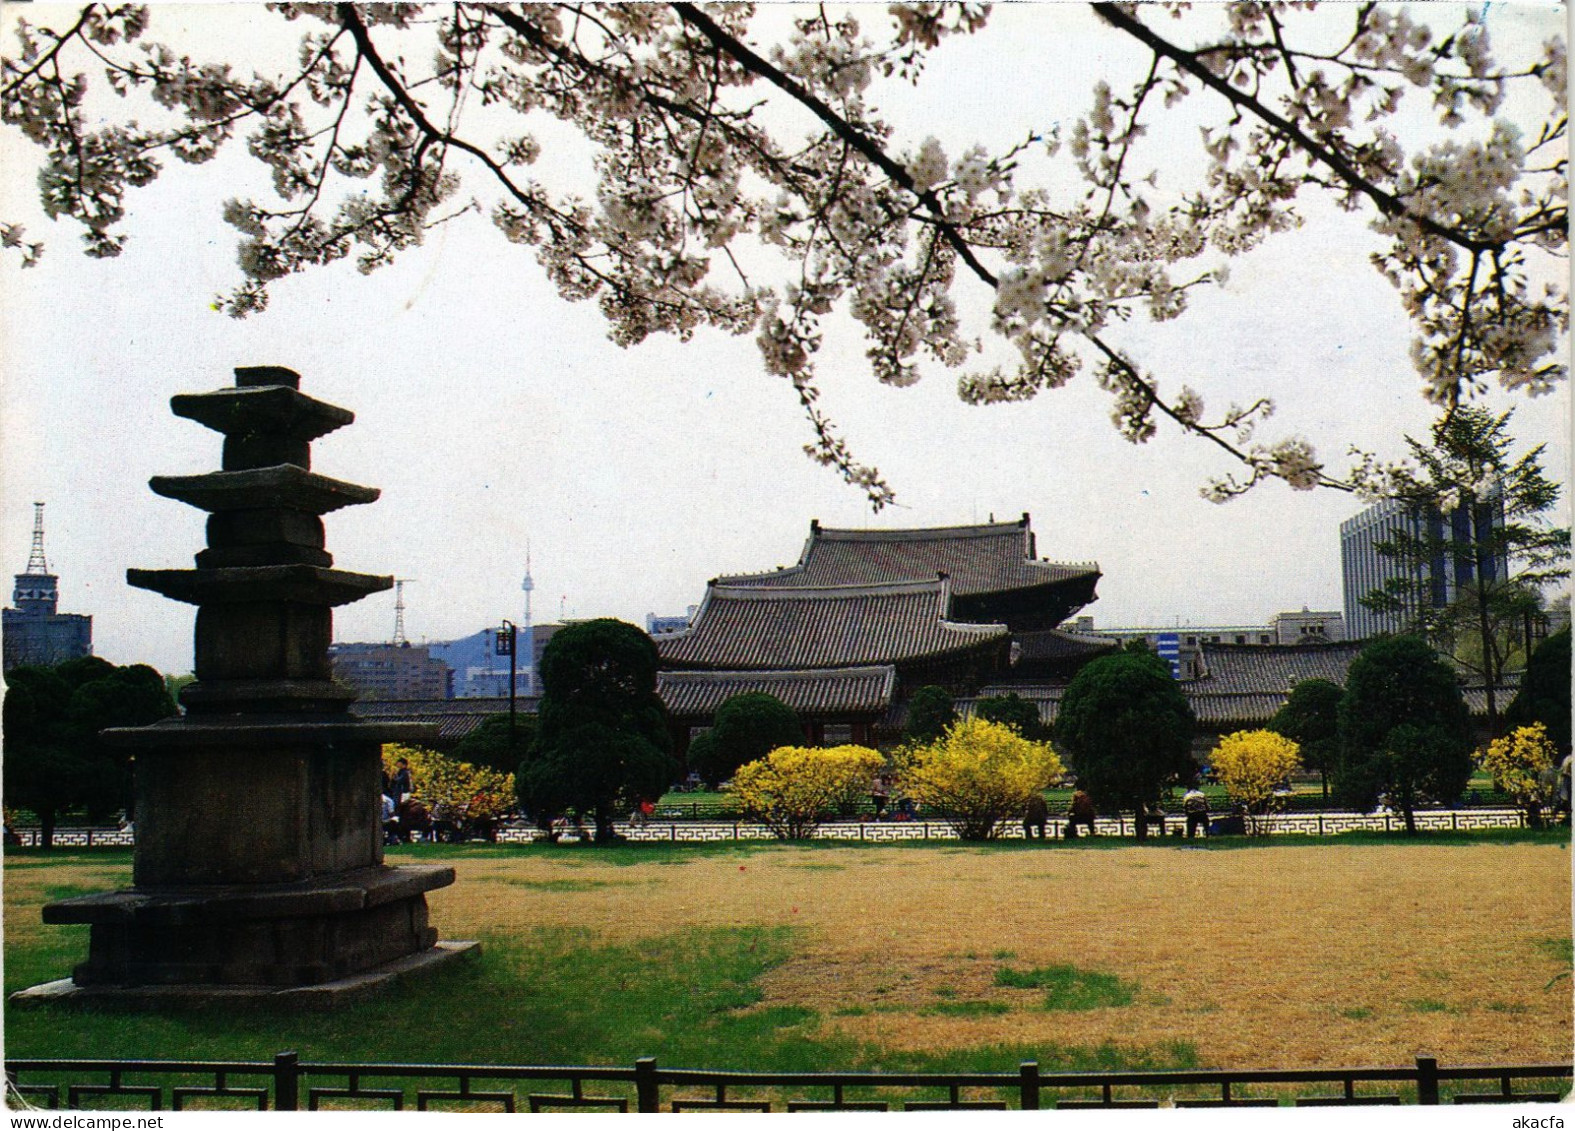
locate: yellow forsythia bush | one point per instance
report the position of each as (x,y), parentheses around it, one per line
(453,790)
(978,774)
(792,788)
(1522,764)
(1251,764)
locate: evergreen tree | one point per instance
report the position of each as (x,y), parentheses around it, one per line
(930,712)
(601,742)
(1481,513)
(55,758)
(1544,695)
(745,728)
(1014,711)
(1404,730)
(1127,730)
(1311,719)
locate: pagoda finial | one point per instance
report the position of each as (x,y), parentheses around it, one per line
(36,564)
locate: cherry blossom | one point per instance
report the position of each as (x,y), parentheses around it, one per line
(739,175)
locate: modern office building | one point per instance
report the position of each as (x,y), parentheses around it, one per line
(1435,582)
(392,671)
(33,631)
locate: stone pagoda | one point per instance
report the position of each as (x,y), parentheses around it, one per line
(259,869)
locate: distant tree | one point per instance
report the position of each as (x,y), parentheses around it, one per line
(793,788)
(701,752)
(1252,766)
(595,770)
(1127,729)
(1483,513)
(1311,719)
(978,775)
(1544,695)
(746,727)
(930,712)
(55,760)
(1405,733)
(601,739)
(1524,765)
(1011,710)
(497,743)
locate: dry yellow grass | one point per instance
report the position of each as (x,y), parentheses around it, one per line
(1285,957)
(1273,957)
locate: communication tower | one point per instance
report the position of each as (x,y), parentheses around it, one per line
(36,564)
(400,639)
(530,632)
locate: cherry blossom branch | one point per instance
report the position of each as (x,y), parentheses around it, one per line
(1390,205)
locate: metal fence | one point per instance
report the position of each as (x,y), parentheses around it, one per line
(290,1084)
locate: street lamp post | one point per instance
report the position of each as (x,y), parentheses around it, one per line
(507,636)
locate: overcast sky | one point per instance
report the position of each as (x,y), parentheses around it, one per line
(492,413)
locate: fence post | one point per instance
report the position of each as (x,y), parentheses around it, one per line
(286,1081)
(1028,1084)
(648,1096)
(1427,1080)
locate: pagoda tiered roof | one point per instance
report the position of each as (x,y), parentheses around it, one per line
(752,627)
(991,558)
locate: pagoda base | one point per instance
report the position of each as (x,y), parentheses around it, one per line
(66,994)
(257,941)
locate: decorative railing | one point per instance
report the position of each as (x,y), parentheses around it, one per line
(1321,823)
(290,1084)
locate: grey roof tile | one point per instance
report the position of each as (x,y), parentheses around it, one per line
(989,558)
(758,626)
(827,691)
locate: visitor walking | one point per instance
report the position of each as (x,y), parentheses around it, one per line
(1196,806)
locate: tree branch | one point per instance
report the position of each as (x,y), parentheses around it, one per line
(1387,202)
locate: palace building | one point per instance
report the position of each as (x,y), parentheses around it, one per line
(865,617)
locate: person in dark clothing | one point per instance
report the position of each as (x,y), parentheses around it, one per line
(1082,813)
(1036,815)
(400,785)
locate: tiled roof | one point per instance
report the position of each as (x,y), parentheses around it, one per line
(829,691)
(1232,708)
(757,626)
(979,559)
(1059,644)
(454,718)
(1045,696)
(1272,668)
